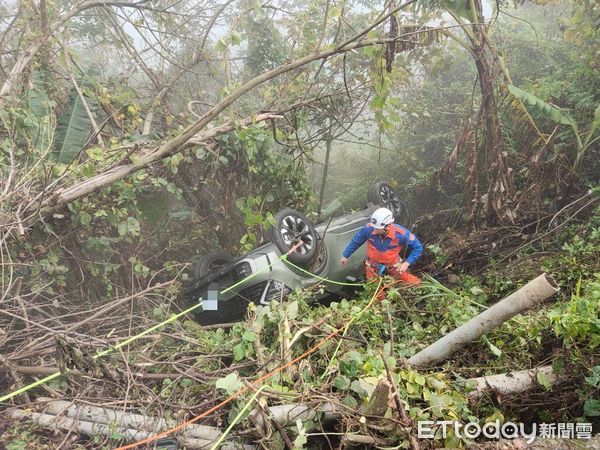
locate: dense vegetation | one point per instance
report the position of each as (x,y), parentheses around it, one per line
(137,137)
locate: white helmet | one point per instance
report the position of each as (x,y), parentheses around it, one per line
(381,217)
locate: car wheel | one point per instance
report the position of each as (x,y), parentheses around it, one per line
(210,262)
(383,194)
(320,261)
(291,226)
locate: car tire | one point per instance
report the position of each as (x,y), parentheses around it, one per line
(210,262)
(290,225)
(319,262)
(383,194)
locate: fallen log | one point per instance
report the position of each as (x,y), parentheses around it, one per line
(512,382)
(286,415)
(362,440)
(532,293)
(93,428)
(102,415)
(131,426)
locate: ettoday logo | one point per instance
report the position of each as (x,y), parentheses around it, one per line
(429,429)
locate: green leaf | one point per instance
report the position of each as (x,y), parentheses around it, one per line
(594,378)
(461,8)
(557,365)
(292,310)
(369,51)
(133,226)
(591,407)
(241,203)
(363,386)
(249,336)
(95,153)
(74,126)
(351,364)
(541,106)
(373,34)
(350,402)
(230,384)
(258,10)
(495,350)
(439,403)
(301,440)
(235,38)
(357,387)
(594,126)
(39,129)
(200,152)
(122,228)
(341,382)
(475,290)
(378,102)
(542,380)
(239,352)
(221,46)
(37,98)
(88,170)
(420,380)
(85,218)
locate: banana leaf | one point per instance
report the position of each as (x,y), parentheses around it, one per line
(74,125)
(38,120)
(461,8)
(541,106)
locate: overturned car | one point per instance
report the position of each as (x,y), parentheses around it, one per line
(226,285)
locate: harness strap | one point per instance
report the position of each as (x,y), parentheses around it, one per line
(375,264)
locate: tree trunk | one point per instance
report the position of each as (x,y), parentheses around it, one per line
(492,157)
(109,429)
(532,293)
(511,383)
(328,142)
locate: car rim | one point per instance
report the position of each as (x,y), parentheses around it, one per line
(294,228)
(390,200)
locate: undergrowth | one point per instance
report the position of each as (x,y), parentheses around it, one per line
(345,371)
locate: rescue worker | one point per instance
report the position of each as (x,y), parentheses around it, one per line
(387,244)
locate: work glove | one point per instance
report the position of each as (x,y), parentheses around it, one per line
(401,266)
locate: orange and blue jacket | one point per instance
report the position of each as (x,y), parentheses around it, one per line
(386,249)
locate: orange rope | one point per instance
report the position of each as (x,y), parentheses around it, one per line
(244,389)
